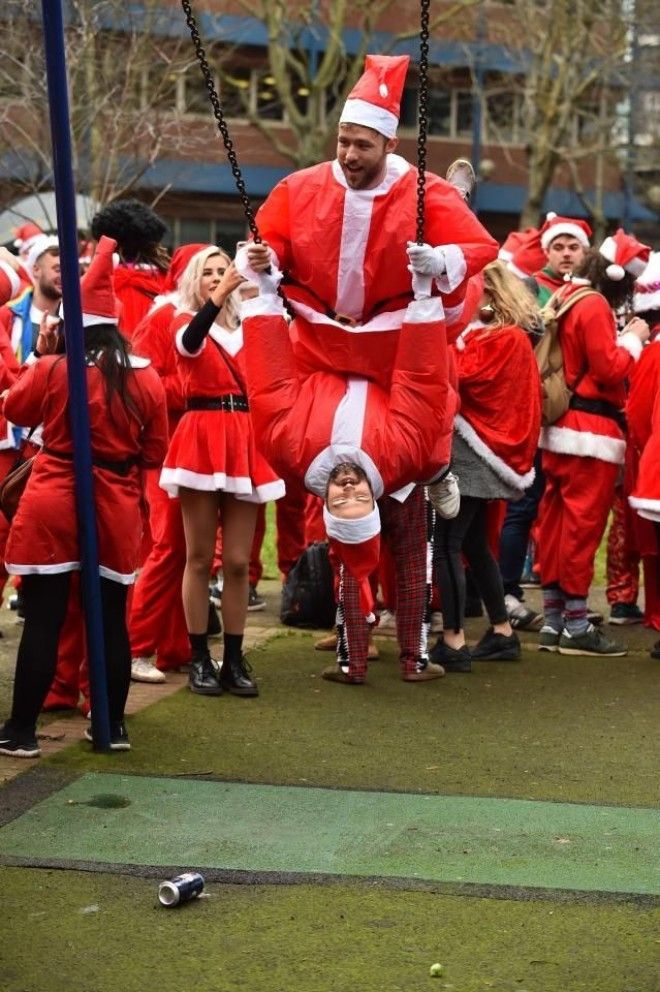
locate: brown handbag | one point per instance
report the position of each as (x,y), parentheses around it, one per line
(12,486)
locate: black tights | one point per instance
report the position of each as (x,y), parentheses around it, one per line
(46,598)
(468,534)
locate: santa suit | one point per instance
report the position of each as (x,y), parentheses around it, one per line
(308,426)
(583,449)
(136,287)
(44,533)
(643,415)
(157,623)
(10,282)
(343,252)
(214,449)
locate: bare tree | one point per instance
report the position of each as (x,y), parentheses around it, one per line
(125,73)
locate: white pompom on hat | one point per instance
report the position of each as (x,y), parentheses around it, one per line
(375,100)
(625,254)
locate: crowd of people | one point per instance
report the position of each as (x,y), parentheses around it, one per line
(390,395)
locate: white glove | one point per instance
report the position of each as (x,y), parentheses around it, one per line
(421,285)
(425,260)
(266,281)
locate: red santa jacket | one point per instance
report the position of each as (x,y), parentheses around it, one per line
(154,339)
(500,395)
(643,415)
(343,252)
(136,288)
(11,282)
(598,362)
(306,427)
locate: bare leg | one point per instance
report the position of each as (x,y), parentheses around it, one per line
(200,523)
(238,522)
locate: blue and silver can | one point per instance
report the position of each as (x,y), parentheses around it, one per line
(183,888)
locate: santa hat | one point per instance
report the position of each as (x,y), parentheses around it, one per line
(356,544)
(511,243)
(25,236)
(180,260)
(529,256)
(375,100)
(647,287)
(625,254)
(40,244)
(99,304)
(555,225)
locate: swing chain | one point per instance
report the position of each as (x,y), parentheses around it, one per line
(220,119)
(423,115)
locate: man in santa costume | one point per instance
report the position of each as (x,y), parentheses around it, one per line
(584,448)
(351,441)
(563,240)
(643,416)
(341,232)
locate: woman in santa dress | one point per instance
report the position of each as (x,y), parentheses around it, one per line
(496,434)
(128,423)
(214,468)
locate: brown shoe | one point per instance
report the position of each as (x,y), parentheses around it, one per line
(327,643)
(336,674)
(432,671)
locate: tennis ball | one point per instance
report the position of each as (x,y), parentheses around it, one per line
(435,970)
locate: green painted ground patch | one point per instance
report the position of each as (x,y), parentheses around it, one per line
(501,842)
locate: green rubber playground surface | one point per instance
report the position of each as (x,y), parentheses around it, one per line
(257,828)
(503,823)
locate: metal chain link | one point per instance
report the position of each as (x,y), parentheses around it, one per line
(423,115)
(220,119)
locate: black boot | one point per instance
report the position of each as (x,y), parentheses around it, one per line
(204,678)
(235,677)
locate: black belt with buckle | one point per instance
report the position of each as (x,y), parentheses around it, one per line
(122,467)
(600,407)
(230,402)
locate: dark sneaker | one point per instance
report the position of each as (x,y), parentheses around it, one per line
(622,614)
(451,659)
(118,737)
(255,601)
(592,642)
(548,639)
(214,628)
(215,594)
(496,647)
(655,650)
(235,677)
(204,678)
(429,671)
(18,744)
(520,617)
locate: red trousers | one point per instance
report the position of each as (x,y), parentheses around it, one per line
(405,528)
(72,673)
(622,553)
(572,519)
(157,624)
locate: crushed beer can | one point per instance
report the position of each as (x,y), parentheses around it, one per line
(181,889)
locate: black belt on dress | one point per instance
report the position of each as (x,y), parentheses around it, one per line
(119,468)
(230,402)
(601,407)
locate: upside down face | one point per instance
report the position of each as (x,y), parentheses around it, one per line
(349,494)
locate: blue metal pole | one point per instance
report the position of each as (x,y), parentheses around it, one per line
(76,366)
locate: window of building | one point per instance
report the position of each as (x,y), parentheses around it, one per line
(463,112)
(409,104)
(236,91)
(502,113)
(440,113)
(195,93)
(268,103)
(208,231)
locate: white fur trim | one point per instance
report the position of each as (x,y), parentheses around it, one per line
(425,311)
(172,479)
(584,444)
(401,495)
(631,343)
(12,275)
(65,566)
(647,508)
(231,341)
(455,268)
(370,115)
(498,465)
(608,249)
(352,531)
(178,343)
(389,320)
(263,306)
(138,362)
(356,224)
(636,266)
(557,229)
(165,299)
(516,271)
(348,421)
(317,474)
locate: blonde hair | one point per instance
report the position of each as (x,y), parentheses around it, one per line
(512,302)
(189,285)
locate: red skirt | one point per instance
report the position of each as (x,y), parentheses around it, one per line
(214,450)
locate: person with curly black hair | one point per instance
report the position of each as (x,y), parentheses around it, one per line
(143,259)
